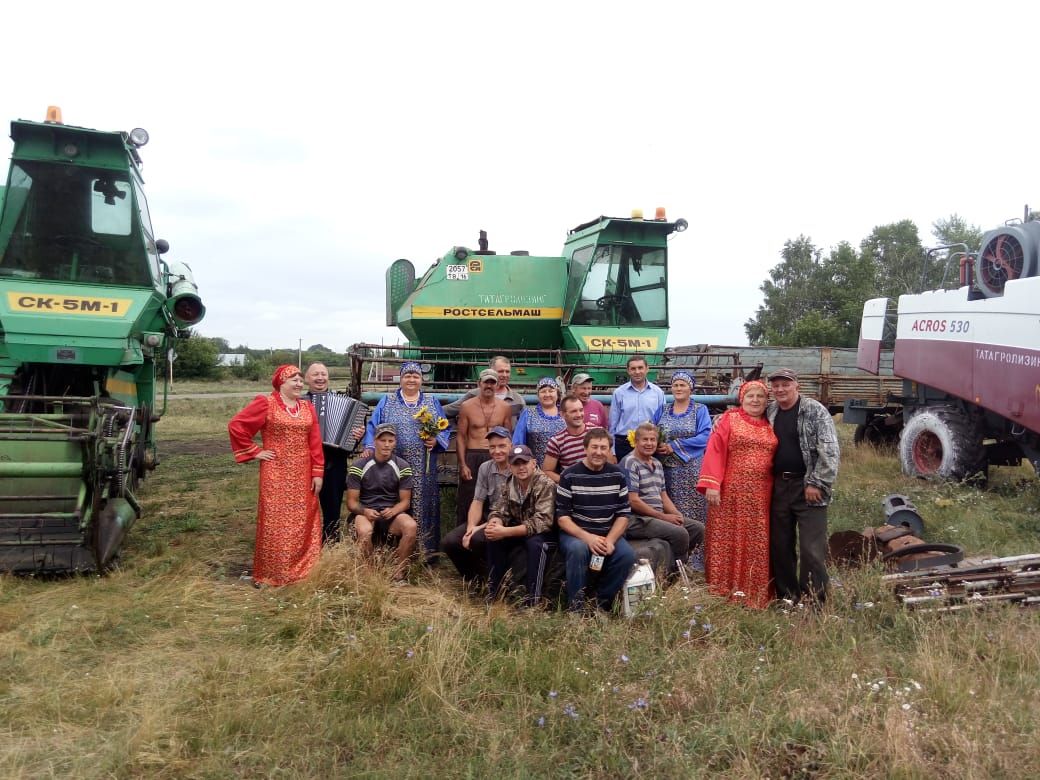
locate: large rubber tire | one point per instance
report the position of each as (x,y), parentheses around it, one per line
(942,443)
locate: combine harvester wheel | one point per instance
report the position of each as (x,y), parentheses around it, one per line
(941,443)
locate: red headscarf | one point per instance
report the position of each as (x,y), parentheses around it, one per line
(753,383)
(282,373)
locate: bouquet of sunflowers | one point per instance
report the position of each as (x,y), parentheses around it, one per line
(429,426)
(429,423)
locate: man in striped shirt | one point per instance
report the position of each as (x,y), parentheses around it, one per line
(568,446)
(592,511)
(379,494)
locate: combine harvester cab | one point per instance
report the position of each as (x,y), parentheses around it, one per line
(970,361)
(88,310)
(603,299)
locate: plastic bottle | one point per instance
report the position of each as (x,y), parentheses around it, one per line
(640,585)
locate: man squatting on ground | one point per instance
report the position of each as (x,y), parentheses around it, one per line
(804,469)
(654,516)
(335,479)
(592,512)
(522,515)
(465,544)
(379,493)
(477,416)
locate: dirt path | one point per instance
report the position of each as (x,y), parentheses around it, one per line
(203,396)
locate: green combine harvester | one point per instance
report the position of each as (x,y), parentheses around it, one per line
(88,312)
(604,298)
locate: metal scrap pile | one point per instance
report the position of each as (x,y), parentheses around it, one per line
(936,577)
(973,583)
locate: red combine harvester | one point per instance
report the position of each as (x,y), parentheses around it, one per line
(970,361)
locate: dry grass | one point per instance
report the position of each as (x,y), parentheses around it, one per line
(174,667)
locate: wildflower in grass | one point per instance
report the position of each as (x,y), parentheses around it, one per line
(623,658)
(706,627)
(540,722)
(409,654)
(429,629)
(553,694)
(570,712)
(685,634)
(639,704)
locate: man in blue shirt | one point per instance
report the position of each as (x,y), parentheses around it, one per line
(637,401)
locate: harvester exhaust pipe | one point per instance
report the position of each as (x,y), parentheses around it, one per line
(483,241)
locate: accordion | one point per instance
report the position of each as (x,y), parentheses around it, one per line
(338,416)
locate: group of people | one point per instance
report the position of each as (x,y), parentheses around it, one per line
(748,499)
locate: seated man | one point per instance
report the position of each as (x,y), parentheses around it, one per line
(379,491)
(568,446)
(592,511)
(521,515)
(654,516)
(465,544)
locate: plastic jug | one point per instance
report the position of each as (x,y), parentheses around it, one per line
(640,585)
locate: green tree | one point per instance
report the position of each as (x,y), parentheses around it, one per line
(196,358)
(811,300)
(899,260)
(956,233)
(788,293)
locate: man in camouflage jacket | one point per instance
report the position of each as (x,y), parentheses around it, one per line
(804,469)
(522,514)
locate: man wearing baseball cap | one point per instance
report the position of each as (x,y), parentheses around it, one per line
(595,412)
(477,416)
(804,469)
(466,544)
(379,494)
(523,514)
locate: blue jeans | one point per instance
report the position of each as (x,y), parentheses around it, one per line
(616,568)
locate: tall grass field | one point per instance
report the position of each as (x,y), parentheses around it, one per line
(173,666)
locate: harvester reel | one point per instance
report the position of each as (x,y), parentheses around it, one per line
(941,443)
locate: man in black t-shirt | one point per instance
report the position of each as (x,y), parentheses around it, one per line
(805,466)
(379,491)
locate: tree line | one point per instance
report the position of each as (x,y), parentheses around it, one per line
(197,358)
(813,298)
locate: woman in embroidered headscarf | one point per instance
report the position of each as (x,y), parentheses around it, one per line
(288,522)
(737,481)
(418,444)
(686,426)
(537,424)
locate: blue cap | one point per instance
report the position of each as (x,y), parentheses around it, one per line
(547,381)
(498,430)
(411,367)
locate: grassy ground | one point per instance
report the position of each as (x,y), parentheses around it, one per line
(173,667)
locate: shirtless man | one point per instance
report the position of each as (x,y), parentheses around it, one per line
(504,369)
(476,417)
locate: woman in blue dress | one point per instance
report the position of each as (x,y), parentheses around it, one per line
(401,408)
(687,426)
(537,424)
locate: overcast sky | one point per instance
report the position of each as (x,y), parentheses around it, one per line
(299,148)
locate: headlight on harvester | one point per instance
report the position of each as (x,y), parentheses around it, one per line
(183,301)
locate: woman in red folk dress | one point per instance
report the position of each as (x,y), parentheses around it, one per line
(288,524)
(737,481)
